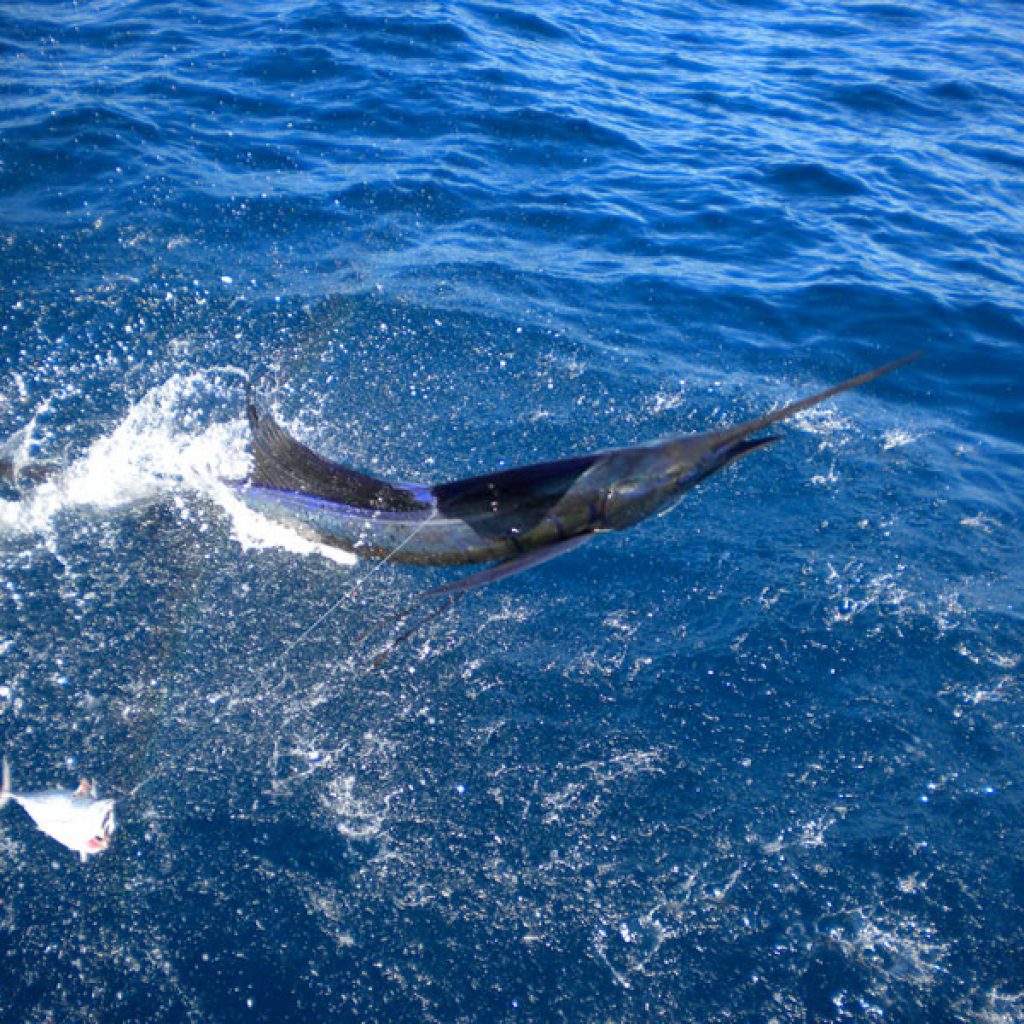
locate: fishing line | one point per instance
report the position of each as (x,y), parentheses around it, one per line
(346,597)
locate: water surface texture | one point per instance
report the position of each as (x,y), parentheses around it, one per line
(757,760)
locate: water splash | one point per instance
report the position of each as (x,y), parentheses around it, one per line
(183,436)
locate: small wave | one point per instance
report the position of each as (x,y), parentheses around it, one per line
(519,23)
(806,178)
(555,136)
(882,99)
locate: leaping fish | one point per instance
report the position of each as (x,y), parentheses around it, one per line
(517,518)
(75,818)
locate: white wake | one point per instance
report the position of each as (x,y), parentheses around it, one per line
(186,435)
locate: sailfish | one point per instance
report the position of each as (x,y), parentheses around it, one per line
(515,518)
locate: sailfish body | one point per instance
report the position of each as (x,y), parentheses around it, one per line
(517,517)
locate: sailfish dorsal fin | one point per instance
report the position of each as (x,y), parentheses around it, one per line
(281,462)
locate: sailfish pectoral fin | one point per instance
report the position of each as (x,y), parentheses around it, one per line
(455,591)
(511,566)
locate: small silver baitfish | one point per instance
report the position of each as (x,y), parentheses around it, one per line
(75,818)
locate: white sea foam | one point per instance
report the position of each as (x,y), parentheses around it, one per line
(893,947)
(898,437)
(356,818)
(822,420)
(982,522)
(183,436)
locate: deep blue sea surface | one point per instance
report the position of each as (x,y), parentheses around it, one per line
(760,759)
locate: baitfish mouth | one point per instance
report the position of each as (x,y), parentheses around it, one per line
(102,841)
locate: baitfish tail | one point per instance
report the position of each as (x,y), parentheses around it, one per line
(5,789)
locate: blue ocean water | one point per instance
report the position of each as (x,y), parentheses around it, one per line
(757,760)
